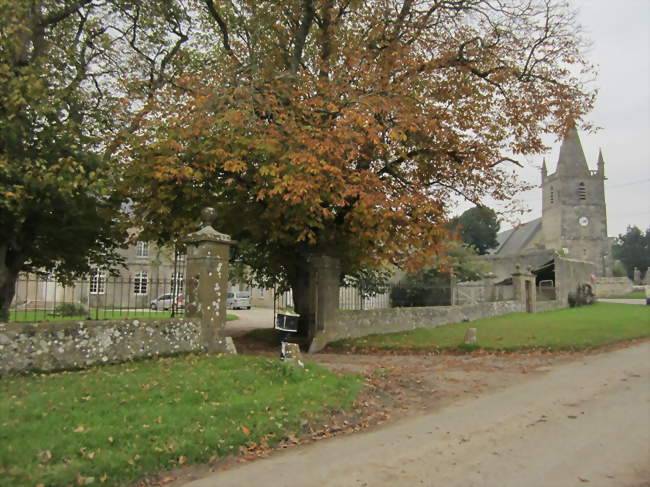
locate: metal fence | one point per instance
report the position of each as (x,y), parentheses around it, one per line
(351,299)
(546,293)
(97,297)
(283,301)
(396,295)
(473,293)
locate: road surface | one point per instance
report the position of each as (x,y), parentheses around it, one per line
(249,319)
(585,423)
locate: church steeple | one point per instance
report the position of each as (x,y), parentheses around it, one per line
(601,163)
(574,214)
(572,159)
(544,170)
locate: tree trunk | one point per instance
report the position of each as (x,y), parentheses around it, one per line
(299,281)
(315,285)
(8,277)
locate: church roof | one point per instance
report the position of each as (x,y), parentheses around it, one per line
(572,158)
(515,240)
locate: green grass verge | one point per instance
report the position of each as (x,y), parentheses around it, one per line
(37,316)
(632,295)
(113,425)
(566,329)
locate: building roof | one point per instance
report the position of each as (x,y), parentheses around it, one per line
(515,240)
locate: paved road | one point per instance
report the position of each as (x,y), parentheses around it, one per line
(582,423)
(249,319)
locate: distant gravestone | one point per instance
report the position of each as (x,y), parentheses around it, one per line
(292,355)
(470,336)
(230,346)
(637,276)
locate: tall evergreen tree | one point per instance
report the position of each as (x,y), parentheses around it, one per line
(478,227)
(633,249)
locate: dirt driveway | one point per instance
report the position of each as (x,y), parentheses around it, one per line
(534,420)
(405,387)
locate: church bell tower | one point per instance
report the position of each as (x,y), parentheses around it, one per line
(574,217)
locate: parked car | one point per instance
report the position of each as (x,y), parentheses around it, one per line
(239,300)
(166,300)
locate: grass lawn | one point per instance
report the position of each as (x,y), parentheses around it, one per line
(632,295)
(36,316)
(566,329)
(112,425)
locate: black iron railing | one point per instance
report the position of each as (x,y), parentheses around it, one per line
(98,297)
(396,295)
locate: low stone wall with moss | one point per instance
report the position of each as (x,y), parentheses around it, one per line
(75,344)
(354,324)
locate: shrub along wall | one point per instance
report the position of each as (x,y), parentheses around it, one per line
(70,345)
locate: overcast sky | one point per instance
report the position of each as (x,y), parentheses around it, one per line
(619,31)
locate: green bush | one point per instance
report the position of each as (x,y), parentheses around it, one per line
(409,294)
(70,309)
(619,269)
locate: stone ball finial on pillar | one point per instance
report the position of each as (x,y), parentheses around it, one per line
(208,215)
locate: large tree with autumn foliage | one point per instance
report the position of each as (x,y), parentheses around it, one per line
(348,127)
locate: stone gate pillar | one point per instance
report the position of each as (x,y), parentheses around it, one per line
(207,281)
(524,287)
(453,290)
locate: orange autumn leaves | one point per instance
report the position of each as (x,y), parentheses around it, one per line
(358,143)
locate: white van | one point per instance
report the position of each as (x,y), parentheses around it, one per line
(239,300)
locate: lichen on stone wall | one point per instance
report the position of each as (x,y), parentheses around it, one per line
(69,345)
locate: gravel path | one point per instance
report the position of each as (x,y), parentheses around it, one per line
(560,423)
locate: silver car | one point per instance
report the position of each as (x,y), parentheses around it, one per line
(239,300)
(166,301)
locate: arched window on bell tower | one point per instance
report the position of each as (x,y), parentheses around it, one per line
(552,195)
(582,191)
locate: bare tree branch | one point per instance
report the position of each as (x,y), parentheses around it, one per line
(64,13)
(309,13)
(506,159)
(223,27)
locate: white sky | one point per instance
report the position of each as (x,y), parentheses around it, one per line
(620,32)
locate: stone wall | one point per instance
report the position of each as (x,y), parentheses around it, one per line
(353,324)
(541,306)
(612,286)
(74,344)
(569,273)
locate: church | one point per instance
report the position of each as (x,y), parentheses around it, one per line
(574,218)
